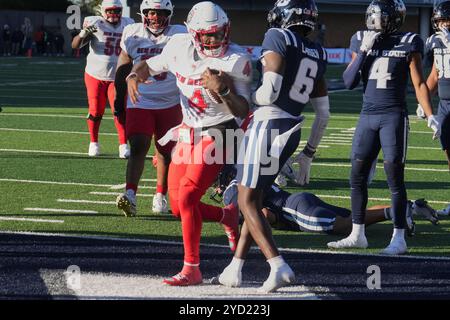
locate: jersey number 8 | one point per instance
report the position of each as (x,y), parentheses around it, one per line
(304,81)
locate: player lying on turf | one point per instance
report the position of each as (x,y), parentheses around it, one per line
(306,212)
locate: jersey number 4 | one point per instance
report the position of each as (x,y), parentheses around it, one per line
(304,81)
(379,72)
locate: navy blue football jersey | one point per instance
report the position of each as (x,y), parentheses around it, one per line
(441,58)
(385,70)
(275,198)
(306,62)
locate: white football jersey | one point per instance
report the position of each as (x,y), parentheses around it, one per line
(180,58)
(161,92)
(104,47)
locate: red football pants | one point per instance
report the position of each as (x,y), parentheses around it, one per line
(187,183)
(98,93)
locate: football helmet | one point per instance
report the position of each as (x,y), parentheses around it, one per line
(289,13)
(207,18)
(157,23)
(385,16)
(111,10)
(440,12)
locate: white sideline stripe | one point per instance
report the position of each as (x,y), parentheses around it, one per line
(30,220)
(85,201)
(46,234)
(48,115)
(343,143)
(118,194)
(58,210)
(149,180)
(373,199)
(349,165)
(44,151)
(54,131)
(57,183)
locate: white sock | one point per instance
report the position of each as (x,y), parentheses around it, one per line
(236,264)
(276,262)
(358,231)
(399,234)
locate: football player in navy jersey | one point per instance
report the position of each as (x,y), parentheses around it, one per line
(383,58)
(438,46)
(293,70)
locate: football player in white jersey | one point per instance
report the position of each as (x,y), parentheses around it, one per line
(214,78)
(158,108)
(103,33)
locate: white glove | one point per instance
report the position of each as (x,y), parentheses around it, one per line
(420,113)
(444,35)
(87,31)
(368,40)
(302,175)
(435,126)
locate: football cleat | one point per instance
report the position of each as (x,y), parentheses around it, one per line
(94,149)
(160,203)
(349,242)
(182,280)
(444,212)
(281,277)
(230,277)
(396,247)
(411,225)
(124,151)
(421,207)
(127,203)
(281,180)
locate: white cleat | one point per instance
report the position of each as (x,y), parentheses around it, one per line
(349,242)
(281,180)
(396,247)
(94,149)
(230,278)
(160,204)
(124,151)
(282,277)
(444,212)
(127,203)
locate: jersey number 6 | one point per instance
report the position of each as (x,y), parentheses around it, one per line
(304,81)
(111,47)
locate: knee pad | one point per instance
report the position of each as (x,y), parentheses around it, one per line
(95,118)
(395,175)
(360,172)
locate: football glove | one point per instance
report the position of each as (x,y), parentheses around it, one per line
(420,113)
(444,36)
(421,207)
(435,126)
(368,40)
(86,32)
(302,175)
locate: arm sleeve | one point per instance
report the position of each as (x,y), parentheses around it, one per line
(355,41)
(274,40)
(352,75)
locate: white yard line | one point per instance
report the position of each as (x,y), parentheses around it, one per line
(118,193)
(48,115)
(344,143)
(30,220)
(372,199)
(45,151)
(59,210)
(85,201)
(344,165)
(54,131)
(57,183)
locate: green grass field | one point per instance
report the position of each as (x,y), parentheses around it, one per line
(43,139)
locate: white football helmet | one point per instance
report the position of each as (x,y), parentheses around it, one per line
(156,24)
(111,5)
(208,18)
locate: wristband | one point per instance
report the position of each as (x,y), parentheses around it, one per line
(309,151)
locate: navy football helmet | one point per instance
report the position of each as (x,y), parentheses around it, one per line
(440,12)
(289,13)
(386,16)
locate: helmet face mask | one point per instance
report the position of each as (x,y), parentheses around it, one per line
(441,16)
(156,15)
(290,13)
(111,11)
(385,16)
(209,27)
